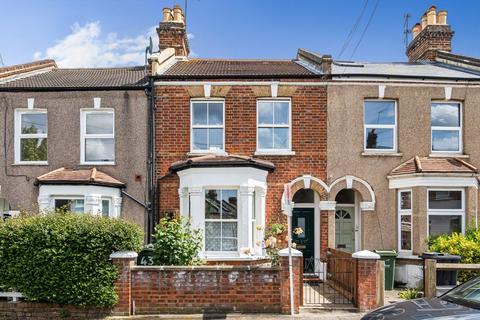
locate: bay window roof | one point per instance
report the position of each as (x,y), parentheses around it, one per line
(433,165)
(80,176)
(214,160)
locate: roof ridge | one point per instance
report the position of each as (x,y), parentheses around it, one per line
(239,60)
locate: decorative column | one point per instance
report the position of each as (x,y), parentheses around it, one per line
(184,202)
(260,206)
(44,203)
(117,207)
(124,260)
(198,207)
(297,273)
(93,204)
(245,216)
(366,280)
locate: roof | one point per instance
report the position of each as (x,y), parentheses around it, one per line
(422,69)
(433,165)
(58,78)
(204,68)
(221,161)
(81,176)
(11,71)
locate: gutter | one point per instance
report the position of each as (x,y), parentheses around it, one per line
(46,89)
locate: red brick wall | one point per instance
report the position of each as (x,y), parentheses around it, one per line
(429,41)
(366,287)
(47,311)
(309,141)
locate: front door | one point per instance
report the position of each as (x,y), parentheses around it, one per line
(305,218)
(345,228)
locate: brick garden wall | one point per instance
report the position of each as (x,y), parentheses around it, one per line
(309,135)
(47,311)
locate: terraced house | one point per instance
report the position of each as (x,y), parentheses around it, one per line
(74,138)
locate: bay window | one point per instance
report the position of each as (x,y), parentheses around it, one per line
(221,224)
(207,126)
(446,211)
(405,220)
(31,129)
(446,126)
(273,126)
(380,125)
(98,137)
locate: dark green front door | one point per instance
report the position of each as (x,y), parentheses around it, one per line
(305,218)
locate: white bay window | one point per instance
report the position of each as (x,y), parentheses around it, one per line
(221,224)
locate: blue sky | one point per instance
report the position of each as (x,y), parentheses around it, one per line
(114,32)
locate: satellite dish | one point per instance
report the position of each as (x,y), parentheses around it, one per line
(150,47)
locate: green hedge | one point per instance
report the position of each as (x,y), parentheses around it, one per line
(467,246)
(64,257)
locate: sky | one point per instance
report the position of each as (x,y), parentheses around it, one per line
(105,33)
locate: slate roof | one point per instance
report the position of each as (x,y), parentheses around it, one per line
(221,161)
(433,165)
(200,68)
(81,176)
(80,78)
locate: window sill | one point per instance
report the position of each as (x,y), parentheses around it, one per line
(203,153)
(274,153)
(449,155)
(30,164)
(97,163)
(381,154)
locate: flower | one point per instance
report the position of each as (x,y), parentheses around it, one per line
(294,245)
(298,231)
(259,228)
(271,242)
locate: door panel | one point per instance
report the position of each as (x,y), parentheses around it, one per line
(305,218)
(345,228)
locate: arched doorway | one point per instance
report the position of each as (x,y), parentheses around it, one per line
(306,216)
(347,221)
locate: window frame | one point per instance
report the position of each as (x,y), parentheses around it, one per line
(84,135)
(438,128)
(274,151)
(192,126)
(73,197)
(237,220)
(446,212)
(381,126)
(401,213)
(18,135)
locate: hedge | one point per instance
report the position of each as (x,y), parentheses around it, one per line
(63,257)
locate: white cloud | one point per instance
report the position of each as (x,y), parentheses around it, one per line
(85,46)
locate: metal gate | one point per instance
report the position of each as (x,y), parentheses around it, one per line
(332,282)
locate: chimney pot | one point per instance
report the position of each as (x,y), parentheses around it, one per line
(416,30)
(442,17)
(177,14)
(167,14)
(424,21)
(432,16)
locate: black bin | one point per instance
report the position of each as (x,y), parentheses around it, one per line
(444,277)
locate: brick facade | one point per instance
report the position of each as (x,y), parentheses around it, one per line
(432,39)
(46,311)
(309,141)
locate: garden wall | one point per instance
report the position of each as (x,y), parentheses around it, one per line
(47,311)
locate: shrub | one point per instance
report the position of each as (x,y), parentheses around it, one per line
(467,246)
(409,294)
(64,257)
(176,243)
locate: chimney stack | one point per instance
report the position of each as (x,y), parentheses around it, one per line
(172,31)
(431,36)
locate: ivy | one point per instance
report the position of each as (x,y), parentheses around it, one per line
(64,257)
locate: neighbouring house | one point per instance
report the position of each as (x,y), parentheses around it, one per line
(229,135)
(74,139)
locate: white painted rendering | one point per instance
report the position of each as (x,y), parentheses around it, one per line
(91,194)
(381,91)
(251,184)
(97,102)
(30,103)
(419,180)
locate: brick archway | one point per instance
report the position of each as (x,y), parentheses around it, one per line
(367,196)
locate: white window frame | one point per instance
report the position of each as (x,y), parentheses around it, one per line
(437,128)
(84,135)
(192,126)
(19,135)
(287,151)
(237,190)
(446,212)
(78,197)
(380,126)
(404,212)
(109,206)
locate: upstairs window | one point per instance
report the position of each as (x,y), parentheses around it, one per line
(446,127)
(273,121)
(98,137)
(31,128)
(207,126)
(380,125)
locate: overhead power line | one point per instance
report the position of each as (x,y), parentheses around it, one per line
(353,30)
(366,28)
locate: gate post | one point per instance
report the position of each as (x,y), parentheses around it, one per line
(366,280)
(297,268)
(430,278)
(124,260)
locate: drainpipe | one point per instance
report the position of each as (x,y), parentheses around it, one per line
(151,195)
